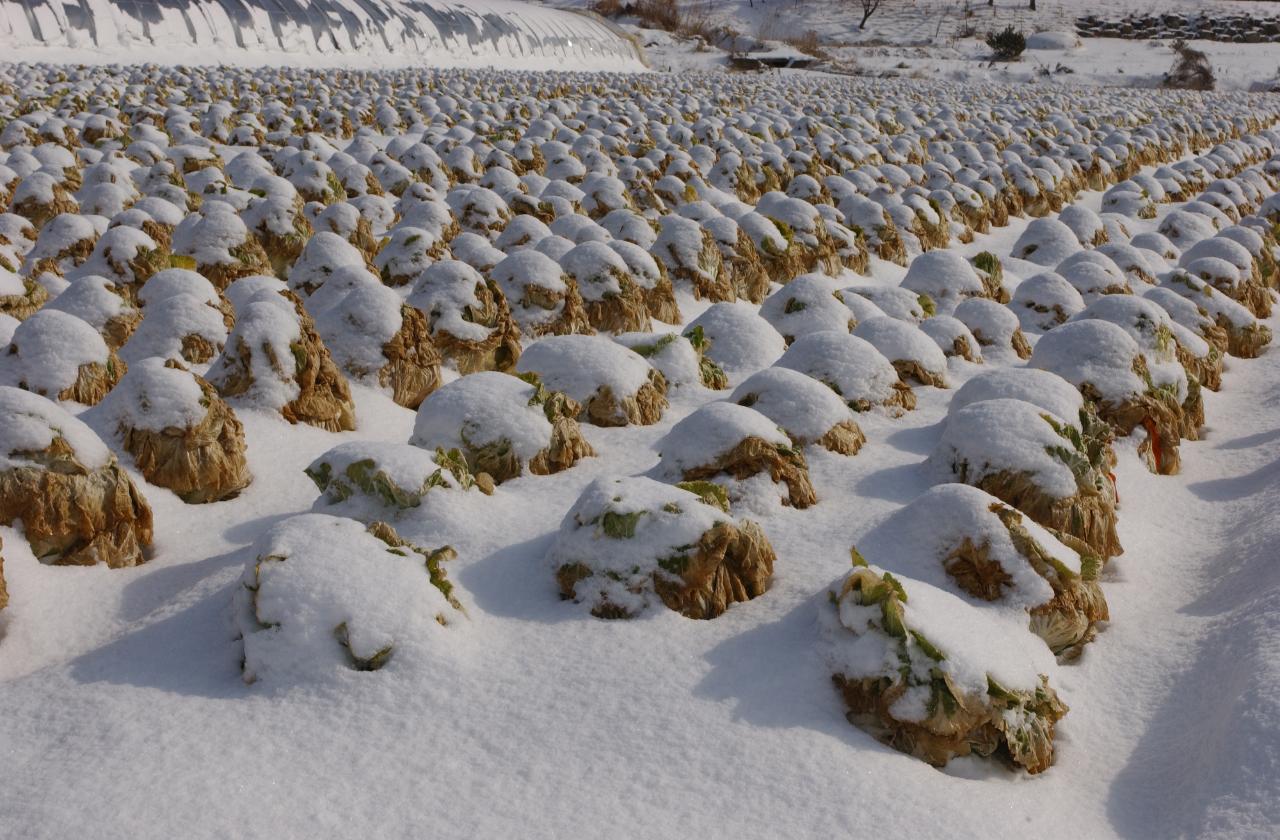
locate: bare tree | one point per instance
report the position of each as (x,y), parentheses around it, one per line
(869,8)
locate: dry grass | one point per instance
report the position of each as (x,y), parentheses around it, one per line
(691,20)
(809,43)
(608,8)
(659,14)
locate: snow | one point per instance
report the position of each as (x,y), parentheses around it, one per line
(1203,294)
(975,642)
(1096,353)
(1093,273)
(680,244)
(411,471)
(901,341)
(266,328)
(893,301)
(324,253)
(521,232)
(177,281)
(1218,248)
(580,366)
(61,233)
(944,331)
(809,303)
(668,522)
(738,339)
(407,254)
(315,573)
(916,540)
(38,187)
(702,437)
(8,324)
(356,327)
(526,270)
(49,348)
(1053,41)
(850,366)
(166,322)
(596,268)
(480,409)
(92,299)
(1184,228)
(671,354)
(802,407)
(153,397)
(991,322)
(209,235)
(945,277)
(1144,320)
(1045,300)
(123,244)
(31,425)
(1038,387)
(444,291)
(696,712)
(993,436)
(1046,242)
(640,266)
(475,251)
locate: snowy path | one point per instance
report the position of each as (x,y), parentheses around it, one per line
(1206,603)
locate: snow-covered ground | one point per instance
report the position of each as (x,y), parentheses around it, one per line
(945,38)
(308,227)
(324,33)
(535,719)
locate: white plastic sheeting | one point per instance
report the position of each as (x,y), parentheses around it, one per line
(500,33)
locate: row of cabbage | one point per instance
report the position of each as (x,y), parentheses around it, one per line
(179,243)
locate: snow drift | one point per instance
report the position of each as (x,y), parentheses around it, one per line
(441,33)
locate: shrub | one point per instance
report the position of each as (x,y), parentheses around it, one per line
(1007,45)
(659,14)
(1191,69)
(808,42)
(608,8)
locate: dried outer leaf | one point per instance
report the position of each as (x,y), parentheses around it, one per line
(754,455)
(1157,410)
(707,277)
(499,350)
(73,515)
(1089,516)
(1016,724)
(94,380)
(248,259)
(412,370)
(623,312)
(844,438)
(25,305)
(911,370)
(644,408)
(729,563)
(202,463)
(747,271)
